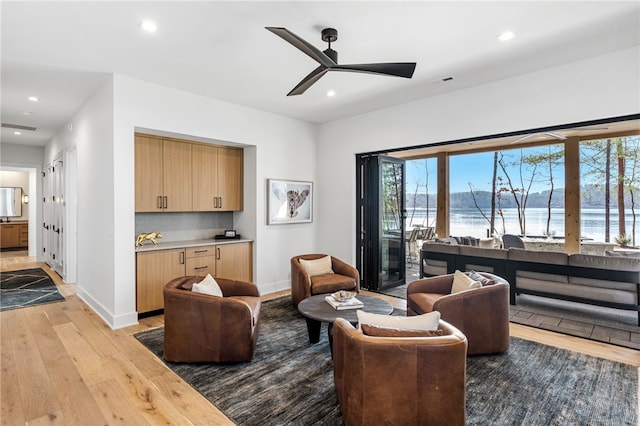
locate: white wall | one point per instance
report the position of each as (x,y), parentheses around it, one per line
(17,179)
(279,147)
(90,132)
(268,138)
(28,159)
(602,87)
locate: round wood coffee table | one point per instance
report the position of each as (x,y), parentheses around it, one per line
(316,311)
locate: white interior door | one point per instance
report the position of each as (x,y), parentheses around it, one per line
(47,207)
(57,228)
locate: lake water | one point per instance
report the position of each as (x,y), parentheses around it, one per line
(469,222)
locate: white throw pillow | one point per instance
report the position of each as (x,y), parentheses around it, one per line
(462,282)
(207,286)
(428,321)
(317,266)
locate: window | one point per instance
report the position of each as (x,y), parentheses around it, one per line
(609,176)
(511,191)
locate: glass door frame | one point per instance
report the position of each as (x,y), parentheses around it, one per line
(374,258)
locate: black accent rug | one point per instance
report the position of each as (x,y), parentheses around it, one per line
(290,381)
(27,287)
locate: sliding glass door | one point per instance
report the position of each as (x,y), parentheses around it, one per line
(381,221)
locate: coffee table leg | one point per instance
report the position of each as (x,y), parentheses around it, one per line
(330,333)
(313,328)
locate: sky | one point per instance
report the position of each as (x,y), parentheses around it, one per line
(476,168)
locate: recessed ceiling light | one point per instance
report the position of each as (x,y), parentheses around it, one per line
(17,133)
(331,93)
(33,98)
(505,36)
(148,26)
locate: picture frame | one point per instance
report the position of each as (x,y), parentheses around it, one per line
(289,201)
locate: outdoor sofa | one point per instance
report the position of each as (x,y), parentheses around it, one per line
(608,281)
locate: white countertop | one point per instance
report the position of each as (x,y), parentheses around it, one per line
(190,243)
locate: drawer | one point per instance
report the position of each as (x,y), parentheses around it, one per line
(201,265)
(201,251)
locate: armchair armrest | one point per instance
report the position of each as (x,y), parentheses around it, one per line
(440,284)
(343,268)
(300,282)
(237,288)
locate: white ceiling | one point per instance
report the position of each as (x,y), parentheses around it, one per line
(62,51)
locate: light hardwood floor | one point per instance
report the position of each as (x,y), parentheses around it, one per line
(62,365)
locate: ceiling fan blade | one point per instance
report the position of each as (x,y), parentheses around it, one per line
(303,45)
(397,69)
(308,81)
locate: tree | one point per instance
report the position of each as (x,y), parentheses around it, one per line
(551,159)
(596,161)
(520,189)
(620,154)
(392,199)
(494,181)
(630,150)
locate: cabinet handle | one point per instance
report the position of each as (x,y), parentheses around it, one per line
(215,202)
(218,253)
(220,203)
(165,202)
(182,258)
(159,201)
(200,251)
(197,268)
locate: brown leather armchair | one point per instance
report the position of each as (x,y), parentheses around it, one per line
(482,314)
(397,380)
(345,277)
(203,328)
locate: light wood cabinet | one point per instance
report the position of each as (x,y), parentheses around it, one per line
(157,267)
(217,178)
(153,270)
(14,235)
(234,261)
(24,235)
(163,178)
(201,260)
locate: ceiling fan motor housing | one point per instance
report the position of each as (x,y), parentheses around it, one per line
(329,35)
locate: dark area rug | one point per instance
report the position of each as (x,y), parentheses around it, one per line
(27,287)
(290,381)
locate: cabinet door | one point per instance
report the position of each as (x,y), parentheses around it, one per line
(204,171)
(201,266)
(230,181)
(234,261)
(201,260)
(10,235)
(24,234)
(153,270)
(177,176)
(148,174)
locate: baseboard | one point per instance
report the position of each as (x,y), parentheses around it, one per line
(274,287)
(113,321)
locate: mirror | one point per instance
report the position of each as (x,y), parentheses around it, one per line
(10,202)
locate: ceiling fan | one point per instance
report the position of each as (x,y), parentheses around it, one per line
(328,60)
(554,134)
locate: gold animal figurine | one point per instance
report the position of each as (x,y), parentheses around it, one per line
(151,236)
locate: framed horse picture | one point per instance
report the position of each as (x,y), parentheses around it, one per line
(289,201)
